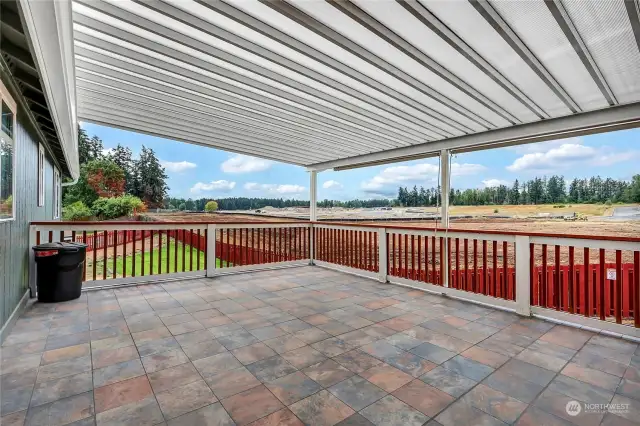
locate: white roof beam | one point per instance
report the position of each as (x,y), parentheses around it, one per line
(605,120)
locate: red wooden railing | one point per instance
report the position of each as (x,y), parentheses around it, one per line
(347,247)
(591,276)
(255,246)
(584,281)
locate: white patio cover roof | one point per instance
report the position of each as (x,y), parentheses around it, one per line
(339,84)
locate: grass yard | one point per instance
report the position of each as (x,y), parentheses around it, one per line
(157,254)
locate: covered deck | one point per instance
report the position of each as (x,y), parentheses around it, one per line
(305,345)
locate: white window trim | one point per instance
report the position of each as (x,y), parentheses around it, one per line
(6,97)
(57,191)
(41,175)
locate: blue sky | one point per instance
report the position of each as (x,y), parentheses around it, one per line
(196,171)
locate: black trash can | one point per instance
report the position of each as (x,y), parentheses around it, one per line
(59,271)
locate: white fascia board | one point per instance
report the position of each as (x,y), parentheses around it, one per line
(49,30)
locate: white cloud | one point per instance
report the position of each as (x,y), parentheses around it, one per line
(543,146)
(568,155)
(385,183)
(245,164)
(274,189)
(332,184)
(177,166)
(216,185)
(492,183)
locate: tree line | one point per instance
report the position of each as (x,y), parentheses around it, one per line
(553,189)
(246,203)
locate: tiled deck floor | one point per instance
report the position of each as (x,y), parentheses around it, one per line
(303,345)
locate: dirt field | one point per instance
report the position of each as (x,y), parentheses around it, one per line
(557,226)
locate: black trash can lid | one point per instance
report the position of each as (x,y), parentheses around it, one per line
(61,247)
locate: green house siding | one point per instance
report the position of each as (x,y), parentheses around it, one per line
(14,234)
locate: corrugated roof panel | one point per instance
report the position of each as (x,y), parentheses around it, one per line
(469,25)
(537,28)
(607,32)
(343,24)
(397,19)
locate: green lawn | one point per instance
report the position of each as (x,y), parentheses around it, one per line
(195,253)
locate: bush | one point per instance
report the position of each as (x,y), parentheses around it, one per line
(559,206)
(76,211)
(111,208)
(496,210)
(608,203)
(211,206)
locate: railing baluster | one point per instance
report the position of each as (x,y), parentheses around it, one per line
(441,272)
(198,251)
(618,301)
(433,261)
(543,286)
(419,258)
(124,254)
(406,255)
(557,299)
(151,244)
(413,258)
(393,254)
(168,261)
(494,284)
(175,249)
(206,247)
(636,286)
(95,252)
(104,255)
(184,249)
(485,269)
(465,282)
(505,265)
(361,246)
(474,281)
(588,310)
(160,234)
(115,253)
(571,301)
(457,285)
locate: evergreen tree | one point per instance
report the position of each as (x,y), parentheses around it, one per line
(89,149)
(152,178)
(123,157)
(514,195)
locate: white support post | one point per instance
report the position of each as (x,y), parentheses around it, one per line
(313,195)
(313,216)
(211,250)
(523,275)
(32,262)
(382,255)
(444,188)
